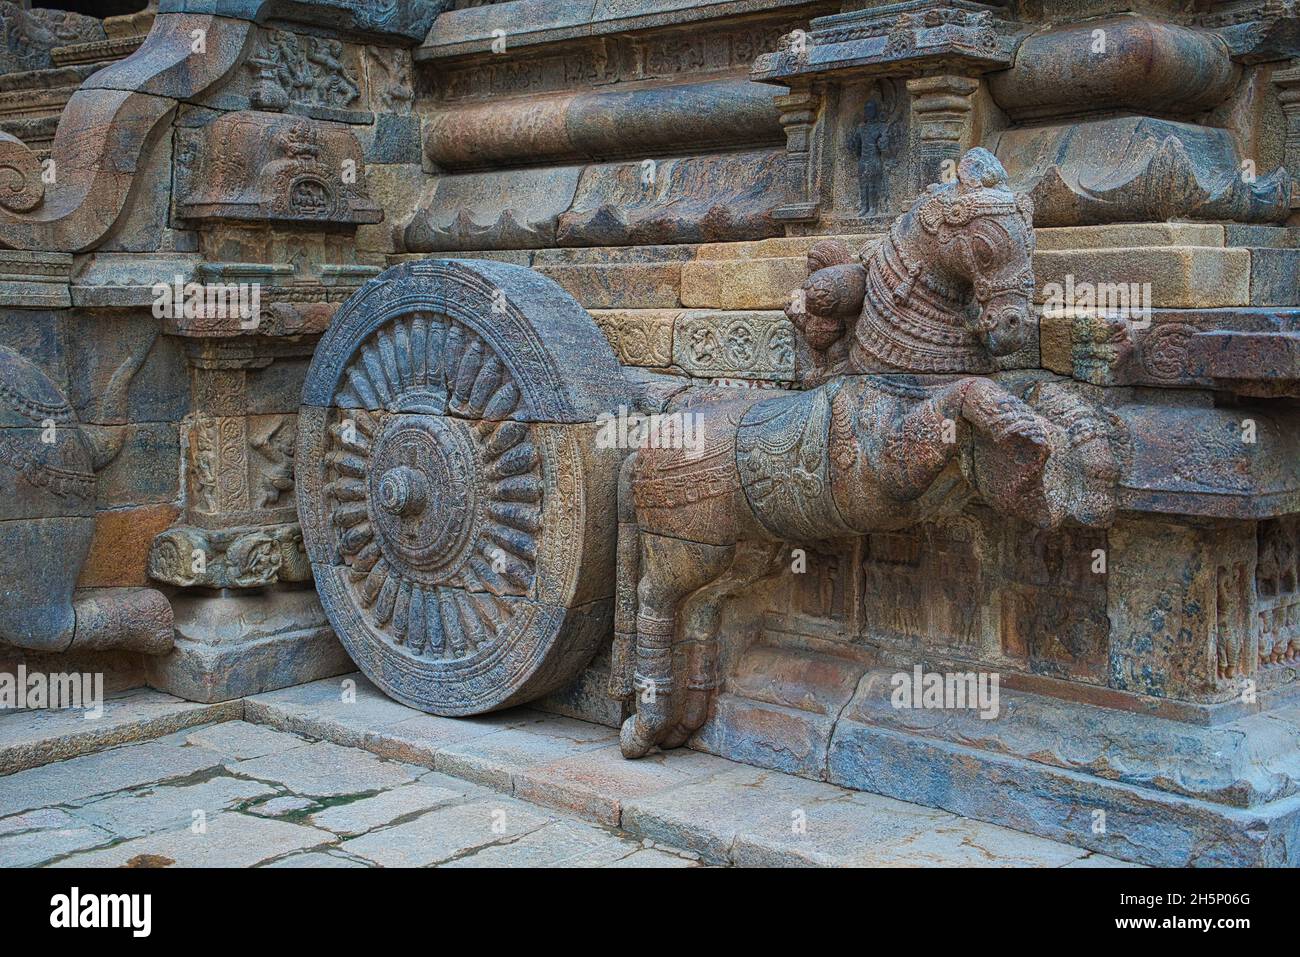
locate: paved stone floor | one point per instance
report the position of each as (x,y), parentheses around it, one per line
(334,774)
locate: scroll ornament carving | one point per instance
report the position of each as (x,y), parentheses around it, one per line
(103,133)
(244,557)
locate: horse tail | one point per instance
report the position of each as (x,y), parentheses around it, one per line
(627,577)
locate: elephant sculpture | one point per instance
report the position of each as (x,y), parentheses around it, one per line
(48,462)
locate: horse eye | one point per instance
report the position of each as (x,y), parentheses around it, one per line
(986,255)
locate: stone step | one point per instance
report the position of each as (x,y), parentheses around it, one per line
(30,738)
(234,794)
(727,813)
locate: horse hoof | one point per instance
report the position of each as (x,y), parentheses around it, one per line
(630,741)
(675,738)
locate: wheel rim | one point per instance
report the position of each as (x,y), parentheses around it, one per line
(450,503)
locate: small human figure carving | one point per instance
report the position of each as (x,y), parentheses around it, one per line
(277,478)
(876,141)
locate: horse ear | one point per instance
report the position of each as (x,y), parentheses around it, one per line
(980,169)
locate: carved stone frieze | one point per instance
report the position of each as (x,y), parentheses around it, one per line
(29,37)
(286,302)
(274,168)
(401,22)
(240,467)
(641,337)
(613,59)
(902,39)
(312,73)
(247,557)
(747,345)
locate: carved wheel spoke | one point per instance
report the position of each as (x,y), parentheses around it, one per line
(431,511)
(445,433)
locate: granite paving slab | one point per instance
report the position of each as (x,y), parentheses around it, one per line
(169,807)
(31,738)
(82,778)
(325,769)
(228,839)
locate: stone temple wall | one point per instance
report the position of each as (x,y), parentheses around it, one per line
(672,166)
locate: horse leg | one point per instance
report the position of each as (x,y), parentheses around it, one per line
(928,433)
(627,576)
(1012,446)
(670,569)
(701,614)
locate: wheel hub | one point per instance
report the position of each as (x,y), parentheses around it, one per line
(423,497)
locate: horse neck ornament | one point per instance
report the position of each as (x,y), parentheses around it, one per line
(950,286)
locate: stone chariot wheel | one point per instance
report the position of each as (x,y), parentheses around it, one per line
(457,510)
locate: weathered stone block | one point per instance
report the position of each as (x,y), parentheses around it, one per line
(145,471)
(119,551)
(1179,276)
(621,285)
(246,644)
(747,284)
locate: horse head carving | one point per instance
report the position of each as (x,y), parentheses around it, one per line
(947,289)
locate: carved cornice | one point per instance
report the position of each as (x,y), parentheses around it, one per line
(395,21)
(902,39)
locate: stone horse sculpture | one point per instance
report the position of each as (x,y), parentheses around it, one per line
(897,431)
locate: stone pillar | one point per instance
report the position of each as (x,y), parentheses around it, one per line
(247,618)
(1287,82)
(942,114)
(798,117)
